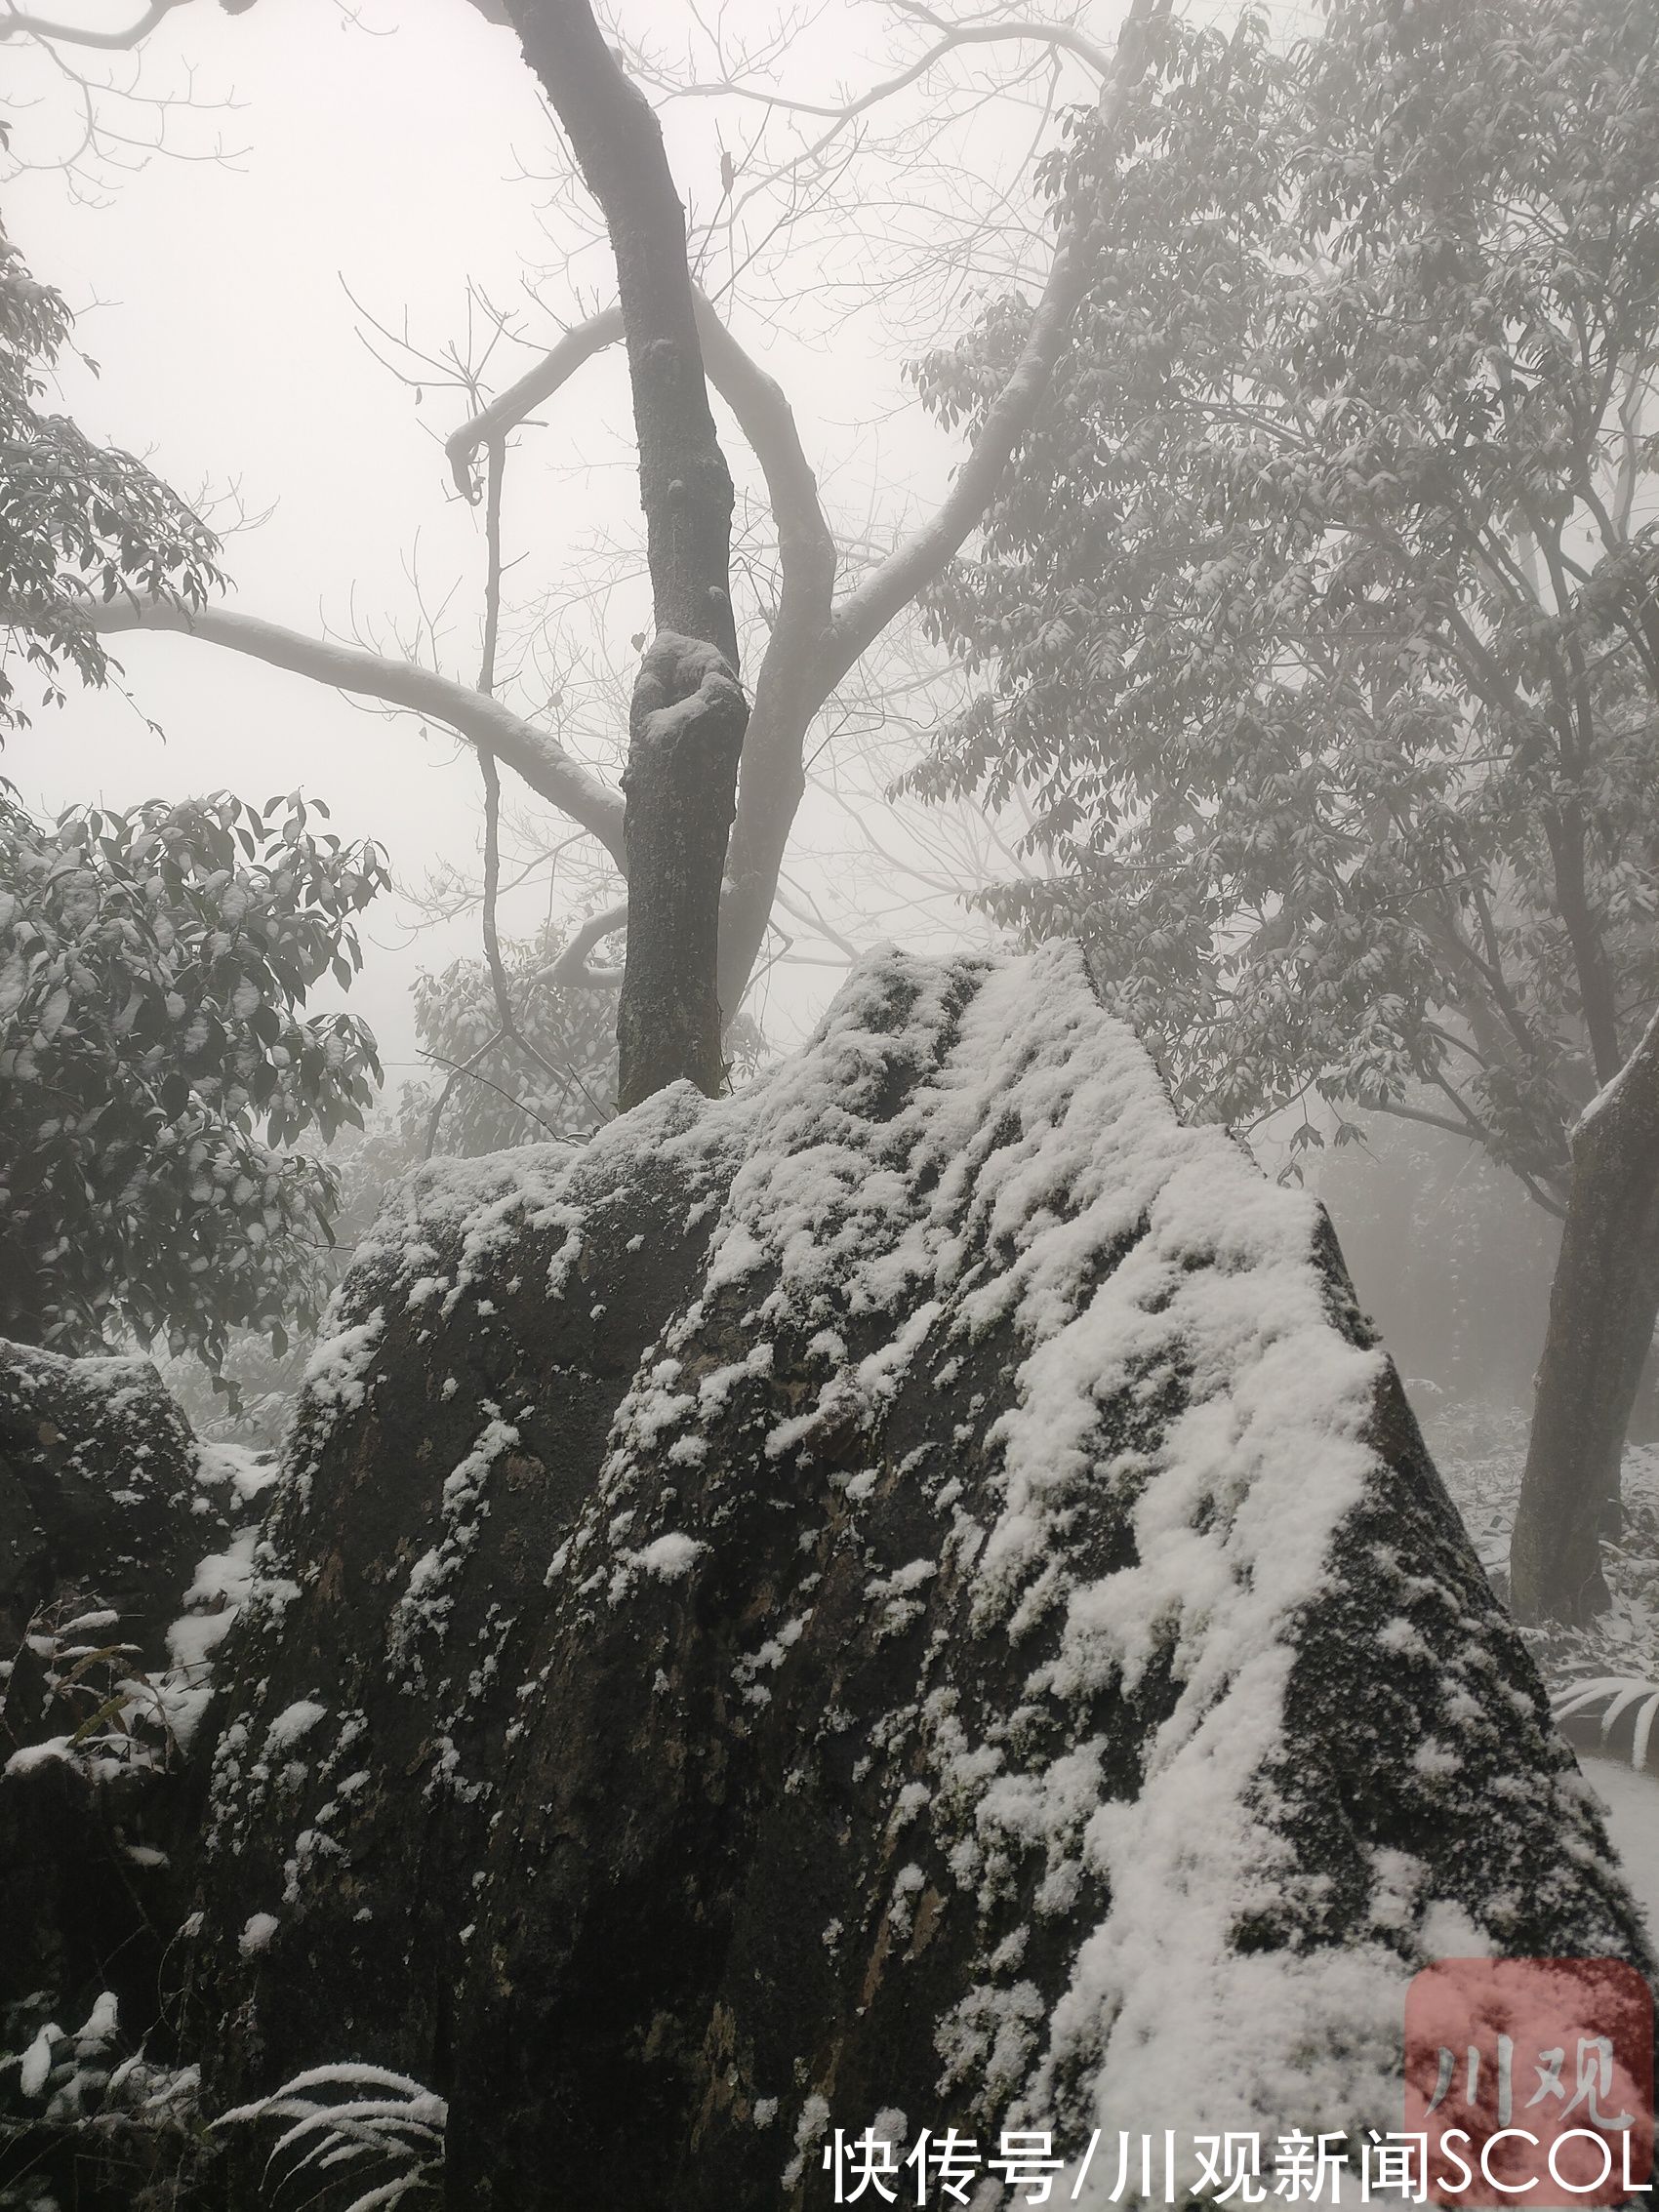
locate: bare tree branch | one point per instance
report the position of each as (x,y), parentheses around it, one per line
(486,756)
(469,1068)
(542,762)
(789,688)
(510,407)
(571,970)
(455,1072)
(866,613)
(806,548)
(1065,37)
(15,25)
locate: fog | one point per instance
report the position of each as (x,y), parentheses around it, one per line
(389,157)
(792,1554)
(321,172)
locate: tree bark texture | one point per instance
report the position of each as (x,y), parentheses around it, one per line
(1603,1304)
(686,728)
(685,739)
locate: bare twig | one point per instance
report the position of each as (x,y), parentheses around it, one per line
(457,1069)
(466,1067)
(1064,37)
(866,613)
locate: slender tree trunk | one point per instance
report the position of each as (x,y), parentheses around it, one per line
(1564,829)
(1603,1304)
(686,727)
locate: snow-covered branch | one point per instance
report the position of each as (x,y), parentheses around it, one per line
(531,752)
(572,971)
(510,407)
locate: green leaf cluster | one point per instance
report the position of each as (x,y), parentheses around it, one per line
(79,521)
(156,1066)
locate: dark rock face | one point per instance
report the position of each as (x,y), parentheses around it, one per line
(907,1591)
(108,1511)
(99,1491)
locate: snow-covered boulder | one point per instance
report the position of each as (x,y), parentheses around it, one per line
(123,1545)
(99,1489)
(911,1591)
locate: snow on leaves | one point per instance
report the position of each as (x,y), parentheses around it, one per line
(156,1063)
(1316,612)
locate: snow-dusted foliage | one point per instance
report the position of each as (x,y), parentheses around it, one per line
(380,2130)
(76,517)
(1251,608)
(125,1549)
(155,1061)
(909,1586)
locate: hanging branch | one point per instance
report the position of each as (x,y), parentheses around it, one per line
(509,1023)
(495,466)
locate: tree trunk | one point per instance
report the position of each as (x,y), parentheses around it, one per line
(686,727)
(1603,1304)
(685,738)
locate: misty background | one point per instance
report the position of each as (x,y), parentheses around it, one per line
(330,180)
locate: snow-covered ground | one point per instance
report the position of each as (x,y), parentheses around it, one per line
(1632,1800)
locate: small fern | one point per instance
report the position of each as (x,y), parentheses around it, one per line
(384,2128)
(1604,1698)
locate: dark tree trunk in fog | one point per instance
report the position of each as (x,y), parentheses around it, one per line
(686,728)
(1603,1304)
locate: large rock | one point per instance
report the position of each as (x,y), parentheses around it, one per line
(122,1545)
(909,1588)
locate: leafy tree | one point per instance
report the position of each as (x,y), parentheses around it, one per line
(79,522)
(153,962)
(154,1061)
(1319,621)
